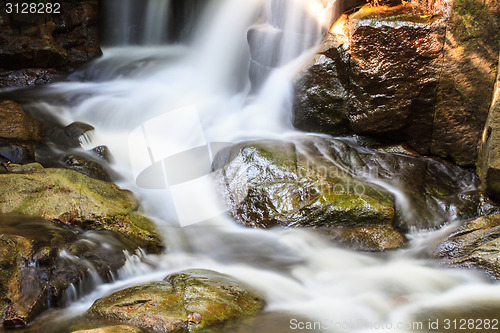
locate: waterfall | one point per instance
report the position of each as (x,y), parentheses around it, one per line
(150,100)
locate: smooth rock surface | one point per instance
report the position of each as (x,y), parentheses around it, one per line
(40,260)
(401,73)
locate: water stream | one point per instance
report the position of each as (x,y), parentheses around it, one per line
(149,99)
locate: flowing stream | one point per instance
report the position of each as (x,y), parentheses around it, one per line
(156,93)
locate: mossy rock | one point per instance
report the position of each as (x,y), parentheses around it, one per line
(188,300)
(377,238)
(71,198)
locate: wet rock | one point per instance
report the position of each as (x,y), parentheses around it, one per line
(467,79)
(318,182)
(22,168)
(40,44)
(74,199)
(475,244)
(191,299)
(65,137)
(377,73)
(40,260)
(20,153)
(111,329)
(87,167)
(16,124)
(102,152)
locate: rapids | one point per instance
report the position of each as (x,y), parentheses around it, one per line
(155,94)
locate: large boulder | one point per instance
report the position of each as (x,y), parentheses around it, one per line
(187,300)
(74,199)
(474,244)
(378,70)
(18,133)
(41,261)
(363,197)
(37,47)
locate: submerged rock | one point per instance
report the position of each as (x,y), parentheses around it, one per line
(328,183)
(287,186)
(75,199)
(187,300)
(86,166)
(40,260)
(475,244)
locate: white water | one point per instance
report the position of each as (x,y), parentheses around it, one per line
(294,269)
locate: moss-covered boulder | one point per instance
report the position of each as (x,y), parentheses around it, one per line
(317,182)
(474,244)
(188,300)
(41,260)
(72,198)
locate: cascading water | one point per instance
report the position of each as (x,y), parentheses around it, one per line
(151,102)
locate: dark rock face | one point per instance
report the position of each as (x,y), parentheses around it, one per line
(326,183)
(475,244)
(380,72)
(188,300)
(37,48)
(40,260)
